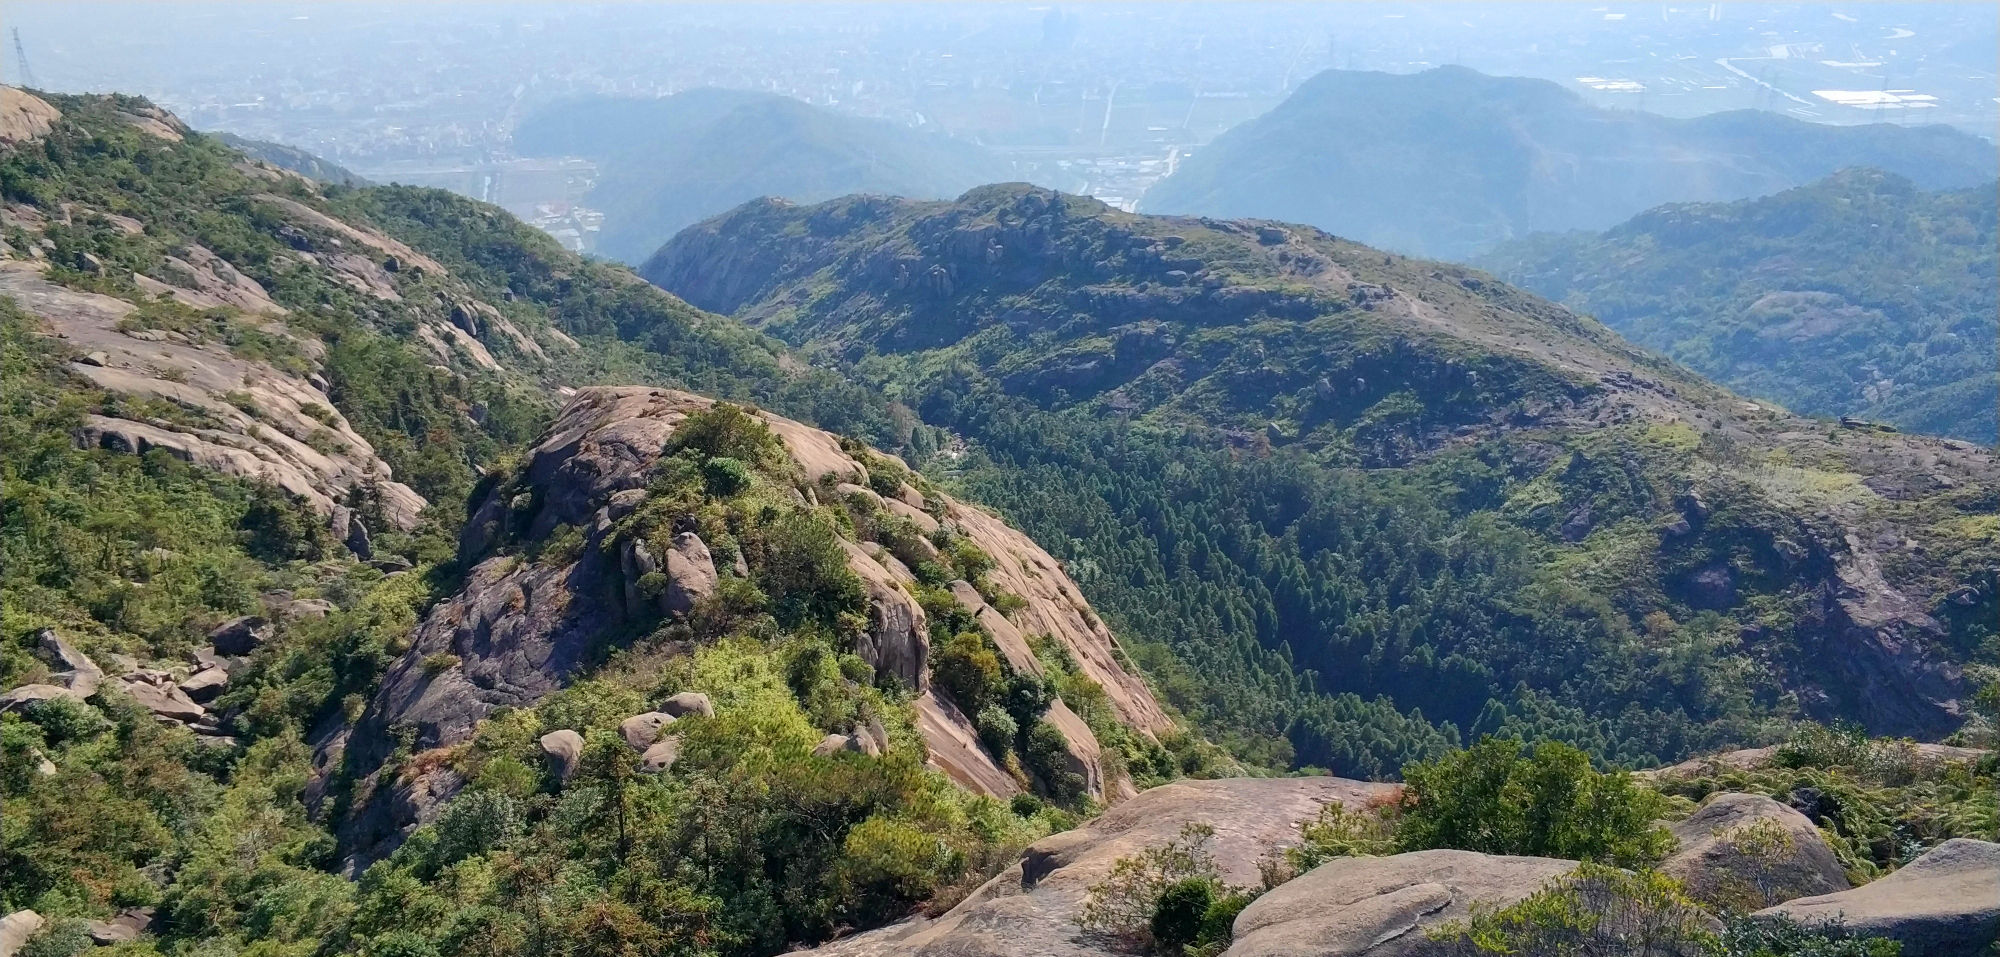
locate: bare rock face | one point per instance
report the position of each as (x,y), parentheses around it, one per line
(517,631)
(296,440)
(1748,849)
(156,692)
(1381,906)
(1031,907)
(123,928)
(74,669)
(898,638)
(24,118)
(1943,904)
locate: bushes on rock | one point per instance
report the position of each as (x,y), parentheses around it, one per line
(1550,803)
(1598,911)
(968,671)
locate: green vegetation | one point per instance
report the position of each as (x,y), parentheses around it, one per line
(1491,799)
(1168,899)
(1857,295)
(1337,536)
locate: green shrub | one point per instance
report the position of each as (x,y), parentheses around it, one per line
(1339,832)
(1780,937)
(1046,754)
(1491,799)
(727,431)
(67,720)
(888,867)
(1122,905)
(968,671)
(997,728)
(724,476)
(1596,911)
(1181,913)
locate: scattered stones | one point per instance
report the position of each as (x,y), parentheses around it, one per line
(563,749)
(1943,904)
(156,692)
(241,636)
(641,731)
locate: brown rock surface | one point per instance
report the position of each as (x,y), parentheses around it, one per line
(1722,864)
(1381,906)
(1943,904)
(24,117)
(1030,908)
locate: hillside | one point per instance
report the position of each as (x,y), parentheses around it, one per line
(344,612)
(293,159)
(1353,507)
(1856,295)
(666,163)
(1447,162)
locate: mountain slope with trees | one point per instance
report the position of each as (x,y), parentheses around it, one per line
(1356,507)
(245,416)
(1449,161)
(1856,295)
(666,163)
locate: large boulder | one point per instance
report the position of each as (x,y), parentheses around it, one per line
(1746,849)
(897,641)
(28,696)
(122,929)
(1031,908)
(241,636)
(1943,904)
(17,927)
(156,692)
(642,730)
(74,669)
(562,749)
(1382,906)
(690,573)
(688,702)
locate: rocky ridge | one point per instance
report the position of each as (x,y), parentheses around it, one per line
(519,630)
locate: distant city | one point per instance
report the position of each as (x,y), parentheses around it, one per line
(1100,99)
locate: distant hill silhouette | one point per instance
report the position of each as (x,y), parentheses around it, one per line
(669,162)
(1450,161)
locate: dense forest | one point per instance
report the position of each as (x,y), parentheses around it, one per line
(1856,295)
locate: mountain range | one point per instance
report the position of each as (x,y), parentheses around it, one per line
(1351,499)
(1857,295)
(1449,161)
(997,576)
(665,163)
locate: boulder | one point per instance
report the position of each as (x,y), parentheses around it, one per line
(122,929)
(241,636)
(27,696)
(205,685)
(156,692)
(690,573)
(1031,908)
(661,755)
(836,743)
(563,749)
(1943,904)
(1382,906)
(16,928)
(642,730)
(313,608)
(687,703)
(1747,849)
(74,669)
(897,641)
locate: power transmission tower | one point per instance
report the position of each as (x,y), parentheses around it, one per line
(21,61)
